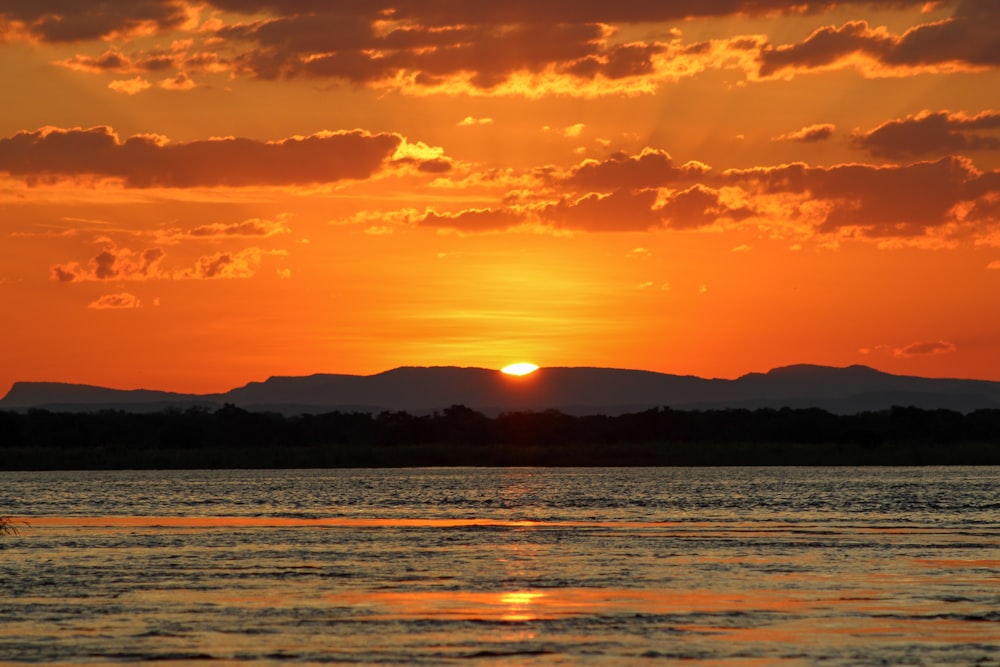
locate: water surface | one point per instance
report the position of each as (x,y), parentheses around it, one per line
(520,566)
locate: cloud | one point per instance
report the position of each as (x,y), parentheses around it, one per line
(994,265)
(180,82)
(967,41)
(132,86)
(809,134)
(109,61)
(531,49)
(649,169)
(118,62)
(121,301)
(459,12)
(113,263)
(60,21)
(474,219)
(924,349)
(469,120)
(700,206)
(928,203)
(510,48)
(621,210)
(881,201)
(145,161)
(229,265)
(254,227)
(119,264)
(929,133)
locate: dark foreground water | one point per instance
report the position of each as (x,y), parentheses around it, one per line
(722,566)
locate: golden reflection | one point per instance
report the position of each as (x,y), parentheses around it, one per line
(345,522)
(519,605)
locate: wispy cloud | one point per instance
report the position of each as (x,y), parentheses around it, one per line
(809,134)
(925,348)
(120,301)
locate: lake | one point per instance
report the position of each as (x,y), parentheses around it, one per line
(504,566)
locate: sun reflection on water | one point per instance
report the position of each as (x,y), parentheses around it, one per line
(519,605)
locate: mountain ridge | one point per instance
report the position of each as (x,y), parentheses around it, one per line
(575,390)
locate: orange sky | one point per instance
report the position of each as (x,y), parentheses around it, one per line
(194,195)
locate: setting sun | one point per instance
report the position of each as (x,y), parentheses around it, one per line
(522,368)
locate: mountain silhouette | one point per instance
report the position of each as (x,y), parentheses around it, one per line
(573,390)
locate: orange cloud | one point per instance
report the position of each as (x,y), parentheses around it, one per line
(809,134)
(116,61)
(120,301)
(241,264)
(180,82)
(132,86)
(144,161)
(469,120)
(113,263)
(924,349)
(929,133)
(255,227)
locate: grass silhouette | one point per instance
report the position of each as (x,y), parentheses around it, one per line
(8,527)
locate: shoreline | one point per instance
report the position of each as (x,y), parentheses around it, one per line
(640,454)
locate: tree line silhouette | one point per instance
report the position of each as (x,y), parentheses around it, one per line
(36,437)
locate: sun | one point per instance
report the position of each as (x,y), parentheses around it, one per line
(521,368)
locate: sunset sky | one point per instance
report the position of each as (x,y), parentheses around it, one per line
(195,195)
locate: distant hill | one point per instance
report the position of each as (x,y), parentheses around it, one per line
(571,390)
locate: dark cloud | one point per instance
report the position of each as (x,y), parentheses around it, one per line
(455,12)
(427,41)
(823,47)
(646,191)
(968,39)
(328,46)
(649,169)
(930,133)
(143,161)
(888,201)
(435,166)
(699,206)
(622,210)
(78,21)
